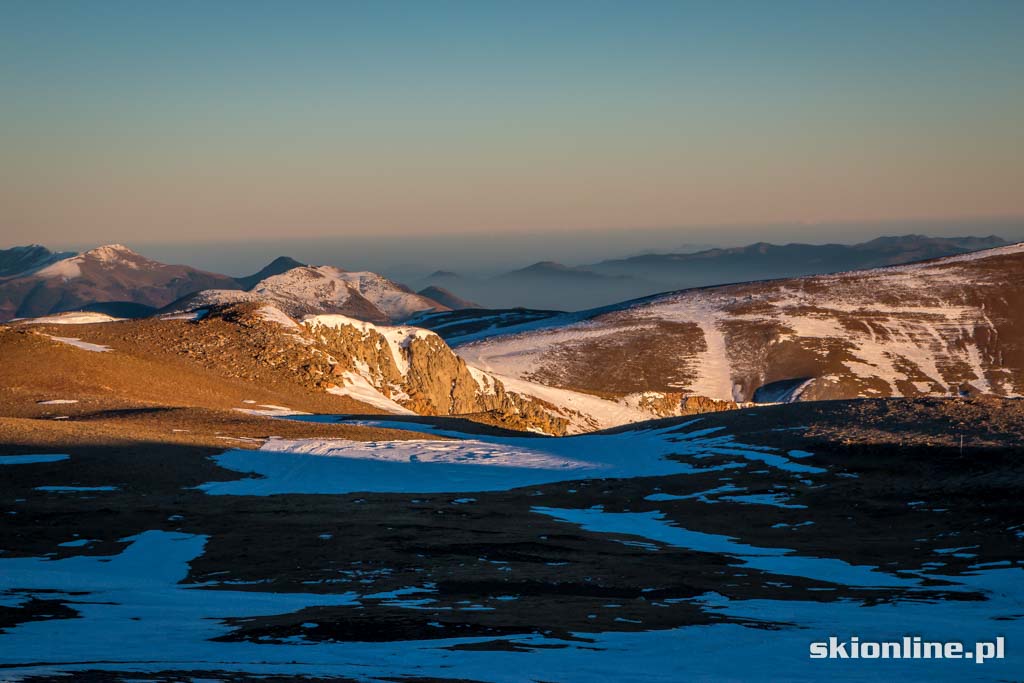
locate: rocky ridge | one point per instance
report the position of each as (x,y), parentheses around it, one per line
(308,290)
(392,369)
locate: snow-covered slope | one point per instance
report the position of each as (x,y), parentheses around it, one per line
(21,260)
(308,290)
(397,301)
(942,327)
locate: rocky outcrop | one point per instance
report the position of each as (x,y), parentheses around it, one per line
(415,369)
(696,405)
(391,369)
(675,404)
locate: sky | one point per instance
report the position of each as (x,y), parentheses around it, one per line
(475,124)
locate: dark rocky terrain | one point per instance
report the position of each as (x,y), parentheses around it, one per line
(877,518)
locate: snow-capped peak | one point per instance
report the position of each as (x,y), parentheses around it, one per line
(107,256)
(317,284)
(110,252)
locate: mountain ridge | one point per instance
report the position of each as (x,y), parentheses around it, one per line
(308,290)
(548,284)
(24,259)
(940,327)
(106,274)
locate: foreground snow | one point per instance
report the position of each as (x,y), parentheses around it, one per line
(135,614)
(32,459)
(485,463)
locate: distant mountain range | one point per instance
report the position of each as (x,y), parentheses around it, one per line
(548,285)
(115,280)
(762,261)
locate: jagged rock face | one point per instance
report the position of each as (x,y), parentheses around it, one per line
(944,327)
(391,369)
(415,369)
(675,404)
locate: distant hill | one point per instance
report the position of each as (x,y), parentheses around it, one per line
(20,260)
(107,274)
(309,290)
(546,285)
(553,285)
(279,265)
(447,298)
(762,261)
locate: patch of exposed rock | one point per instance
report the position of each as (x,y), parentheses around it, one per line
(406,367)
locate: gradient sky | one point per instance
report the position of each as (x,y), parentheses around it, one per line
(163,122)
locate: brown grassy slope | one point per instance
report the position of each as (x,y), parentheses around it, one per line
(134,428)
(234,355)
(141,370)
(142,395)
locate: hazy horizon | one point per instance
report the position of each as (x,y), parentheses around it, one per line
(438,123)
(484,254)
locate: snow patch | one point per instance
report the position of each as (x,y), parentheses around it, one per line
(78,343)
(68,269)
(356,386)
(195,315)
(480,463)
(32,459)
(270,410)
(76,318)
(75,489)
(274,314)
(654,526)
